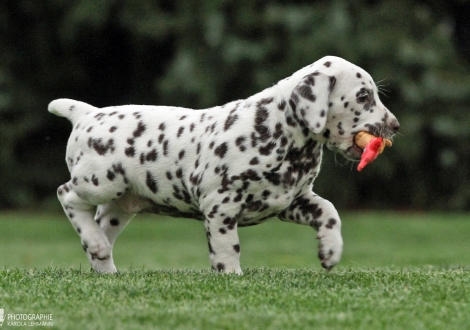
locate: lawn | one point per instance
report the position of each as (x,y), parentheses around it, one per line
(399,271)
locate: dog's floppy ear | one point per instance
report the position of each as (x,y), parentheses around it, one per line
(310,100)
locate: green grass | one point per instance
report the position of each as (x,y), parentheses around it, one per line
(399,271)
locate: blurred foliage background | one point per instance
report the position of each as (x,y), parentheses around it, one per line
(202,53)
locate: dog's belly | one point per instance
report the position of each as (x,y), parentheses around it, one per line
(162,209)
(253,211)
(132,203)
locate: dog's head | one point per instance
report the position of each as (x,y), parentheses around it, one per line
(335,100)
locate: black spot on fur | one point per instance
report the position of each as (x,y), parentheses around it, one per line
(179,173)
(261,115)
(292,105)
(265,101)
(306,92)
(266,194)
(332,83)
(250,175)
(236,247)
(165,147)
(331,223)
(168,175)
(267,149)
(111,175)
(139,130)
(221,150)
(180,131)
(254,161)
(213,211)
(130,152)
(117,168)
(100,147)
(94,180)
(114,222)
(272,177)
(239,143)
(151,183)
(151,156)
(230,120)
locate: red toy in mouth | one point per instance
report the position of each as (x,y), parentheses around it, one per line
(372,146)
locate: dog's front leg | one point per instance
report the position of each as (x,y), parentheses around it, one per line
(315,211)
(224,245)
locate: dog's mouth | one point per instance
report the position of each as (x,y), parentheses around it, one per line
(353,147)
(357,150)
(361,139)
(354,152)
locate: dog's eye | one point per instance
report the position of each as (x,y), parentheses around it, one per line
(362,98)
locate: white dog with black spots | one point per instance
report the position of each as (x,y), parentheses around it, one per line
(230,166)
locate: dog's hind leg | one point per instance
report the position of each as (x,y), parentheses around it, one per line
(80,213)
(112,219)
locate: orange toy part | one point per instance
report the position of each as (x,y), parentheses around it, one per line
(373,146)
(362,139)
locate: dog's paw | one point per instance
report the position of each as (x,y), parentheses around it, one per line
(99,253)
(330,248)
(227,268)
(104,266)
(97,248)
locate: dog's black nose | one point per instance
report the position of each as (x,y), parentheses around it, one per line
(394,126)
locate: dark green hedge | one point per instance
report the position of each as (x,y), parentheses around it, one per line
(203,53)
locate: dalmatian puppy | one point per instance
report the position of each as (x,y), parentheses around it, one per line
(230,166)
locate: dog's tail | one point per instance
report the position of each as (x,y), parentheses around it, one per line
(70,109)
